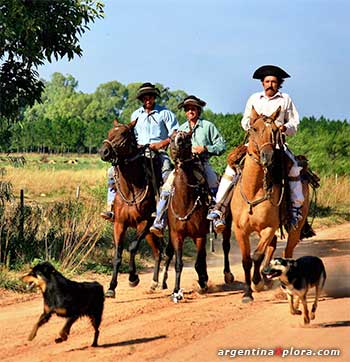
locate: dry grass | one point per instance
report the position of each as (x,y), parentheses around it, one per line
(334,192)
(53,185)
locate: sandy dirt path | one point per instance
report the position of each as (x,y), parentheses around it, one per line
(139,326)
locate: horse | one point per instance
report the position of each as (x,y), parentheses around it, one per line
(187,211)
(134,201)
(256,200)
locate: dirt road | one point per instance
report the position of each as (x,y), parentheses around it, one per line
(138,326)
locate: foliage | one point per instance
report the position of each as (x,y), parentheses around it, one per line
(34,31)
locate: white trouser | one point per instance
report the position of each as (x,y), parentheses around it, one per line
(296,187)
(111,191)
(225,182)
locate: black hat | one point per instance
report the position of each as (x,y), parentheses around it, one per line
(267,70)
(147,89)
(193,101)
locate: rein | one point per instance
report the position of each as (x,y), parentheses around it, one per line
(268,189)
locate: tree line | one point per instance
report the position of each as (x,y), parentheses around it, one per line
(67,120)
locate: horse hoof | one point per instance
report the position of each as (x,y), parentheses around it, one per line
(154,285)
(258,287)
(110,293)
(134,283)
(229,278)
(247,299)
(176,297)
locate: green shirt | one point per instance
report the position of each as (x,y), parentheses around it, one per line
(206,134)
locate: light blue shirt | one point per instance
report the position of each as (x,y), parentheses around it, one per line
(155,126)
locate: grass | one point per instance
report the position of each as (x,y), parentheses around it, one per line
(70,227)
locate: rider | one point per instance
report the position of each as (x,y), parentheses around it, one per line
(266,102)
(206,142)
(154,126)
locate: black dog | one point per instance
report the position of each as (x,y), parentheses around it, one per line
(297,277)
(66,298)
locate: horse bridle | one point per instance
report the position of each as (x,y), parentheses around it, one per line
(275,139)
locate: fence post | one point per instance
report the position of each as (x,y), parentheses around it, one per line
(21,220)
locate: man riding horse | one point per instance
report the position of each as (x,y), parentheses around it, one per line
(206,142)
(154,126)
(266,102)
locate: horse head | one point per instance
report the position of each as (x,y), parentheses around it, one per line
(263,136)
(181,146)
(120,143)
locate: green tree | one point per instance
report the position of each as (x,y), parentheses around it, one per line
(34,31)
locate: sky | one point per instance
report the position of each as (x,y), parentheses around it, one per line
(210,48)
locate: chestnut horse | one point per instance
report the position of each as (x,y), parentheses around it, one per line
(187,212)
(134,201)
(256,200)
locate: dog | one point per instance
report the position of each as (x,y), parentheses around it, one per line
(65,298)
(297,277)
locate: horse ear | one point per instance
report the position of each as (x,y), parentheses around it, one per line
(115,122)
(132,124)
(253,116)
(275,114)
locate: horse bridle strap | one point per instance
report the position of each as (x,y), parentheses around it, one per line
(187,216)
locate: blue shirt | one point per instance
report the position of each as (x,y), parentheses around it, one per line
(155,126)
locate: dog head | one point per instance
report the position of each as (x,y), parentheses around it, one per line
(278,267)
(39,275)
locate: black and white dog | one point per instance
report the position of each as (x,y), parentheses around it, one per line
(297,277)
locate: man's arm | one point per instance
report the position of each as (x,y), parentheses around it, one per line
(291,119)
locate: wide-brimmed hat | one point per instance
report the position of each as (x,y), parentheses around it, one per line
(267,70)
(147,89)
(193,101)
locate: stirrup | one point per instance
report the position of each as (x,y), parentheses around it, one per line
(108,215)
(214,215)
(157,231)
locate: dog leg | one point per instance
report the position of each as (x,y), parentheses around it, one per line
(64,333)
(296,306)
(44,318)
(306,311)
(314,306)
(96,321)
(293,310)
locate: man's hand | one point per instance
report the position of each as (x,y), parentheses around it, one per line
(198,149)
(283,128)
(159,145)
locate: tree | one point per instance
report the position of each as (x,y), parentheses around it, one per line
(34,31)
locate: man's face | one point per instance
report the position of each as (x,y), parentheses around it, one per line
(270,85)
(192,113)
(148,101)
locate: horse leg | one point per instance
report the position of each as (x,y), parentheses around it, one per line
(119,232)
(178,245)
(268,256)
(226,245)
(266,237)
(244,245)
(292,241)
(169,253)
(201,264)
(141,228)
(155,244)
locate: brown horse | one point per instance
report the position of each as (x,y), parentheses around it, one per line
(188,208)
(256,200)
(134,201)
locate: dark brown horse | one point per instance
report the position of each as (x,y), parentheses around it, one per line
(134,201)
(188,207)
(256,201)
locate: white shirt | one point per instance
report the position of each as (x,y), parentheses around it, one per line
(264,105)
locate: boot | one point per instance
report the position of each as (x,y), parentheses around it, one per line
(295,217)
(108,215)
(160,221)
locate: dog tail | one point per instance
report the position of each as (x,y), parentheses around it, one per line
(323,278)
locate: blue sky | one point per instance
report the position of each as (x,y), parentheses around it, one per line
(211,48)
